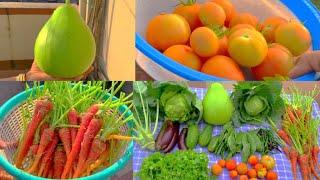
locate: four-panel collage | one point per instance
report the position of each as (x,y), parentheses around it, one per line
(160,89)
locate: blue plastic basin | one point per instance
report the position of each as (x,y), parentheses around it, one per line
(304,10)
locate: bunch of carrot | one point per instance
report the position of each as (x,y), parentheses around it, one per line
(72,127)
(300,134)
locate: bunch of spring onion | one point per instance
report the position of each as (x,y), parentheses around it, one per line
(74,129)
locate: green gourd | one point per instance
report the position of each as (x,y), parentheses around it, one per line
(217,105)
(65,46)
(192,136)
(205,136)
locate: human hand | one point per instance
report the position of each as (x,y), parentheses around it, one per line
(36,74)
(306,63)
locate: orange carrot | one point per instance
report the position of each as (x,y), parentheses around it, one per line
(65,137)
(48,154)
(96,150)
(304,166)
(46,138)
(313,169)
(315,153)
(46,171)
(284,136)
(59,160)
(93,129)
(98,162)
(34,149)
(50,174)
(43,127)
(293,154)
(286,151)
(42,108)
(86,119)
(291,114)
(73,120)
(93,109)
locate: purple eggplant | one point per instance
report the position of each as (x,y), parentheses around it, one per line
(165,135)
(174,139)
(182,138)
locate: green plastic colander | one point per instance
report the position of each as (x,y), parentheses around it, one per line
(10,130)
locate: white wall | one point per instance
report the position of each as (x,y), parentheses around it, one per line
(18,34)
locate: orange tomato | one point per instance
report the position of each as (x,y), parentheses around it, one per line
(294,36)
(242,168)
(224,67)
(247,47)
(243,177)
(204,42)
(258,166)
(240,26)
(223,46)
(216,169)
(211,13)
(233,174)
(244,18)
(222,163)
(253,160)
(252,173)
(190,13)
(279,61)
(269,27)
(228,8)
(166,30)
(272,175)
(184,55)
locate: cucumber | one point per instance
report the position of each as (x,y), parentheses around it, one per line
(212,143)
(205,136)
(192,136)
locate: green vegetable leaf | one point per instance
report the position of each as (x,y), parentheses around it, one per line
(186,164)
(177,102)
(255,101)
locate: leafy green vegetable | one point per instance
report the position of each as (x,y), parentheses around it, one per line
(269,140)
(254,102)
(230,142)
(245,153)
(177,102)
(186,164)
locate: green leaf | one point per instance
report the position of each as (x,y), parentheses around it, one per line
(255,101)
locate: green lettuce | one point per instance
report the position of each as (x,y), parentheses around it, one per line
(186,164)
(177,102)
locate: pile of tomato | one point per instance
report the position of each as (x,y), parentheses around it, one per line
(215,39)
